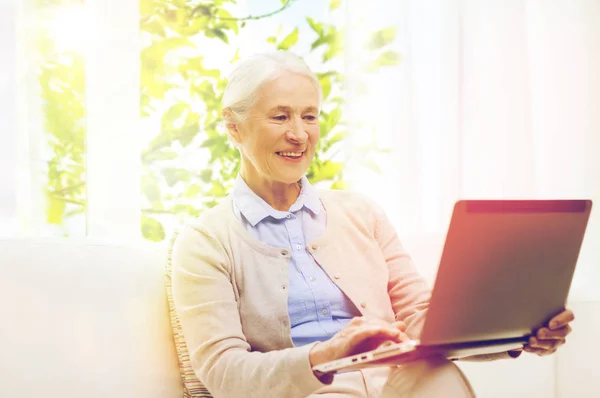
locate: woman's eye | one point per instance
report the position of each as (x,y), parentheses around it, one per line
(310,117)
(280,117)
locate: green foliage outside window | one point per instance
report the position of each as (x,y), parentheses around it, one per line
(183,94)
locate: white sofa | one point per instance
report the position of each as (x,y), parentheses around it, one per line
(86,318)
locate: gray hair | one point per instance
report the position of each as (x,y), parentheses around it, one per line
(251,74)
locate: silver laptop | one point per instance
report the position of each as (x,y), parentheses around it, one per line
(506,270)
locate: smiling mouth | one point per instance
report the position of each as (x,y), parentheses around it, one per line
(290,155)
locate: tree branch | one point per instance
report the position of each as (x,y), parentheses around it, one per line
(69,188)
(285,6)
(72,201)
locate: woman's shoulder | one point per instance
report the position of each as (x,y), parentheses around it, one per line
(212,224)
(349,200)
(354,208)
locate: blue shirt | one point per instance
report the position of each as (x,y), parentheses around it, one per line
(317,307)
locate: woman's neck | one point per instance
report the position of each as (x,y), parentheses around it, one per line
(278,195)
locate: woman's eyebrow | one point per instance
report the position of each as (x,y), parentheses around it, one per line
(280,108)
(283,108)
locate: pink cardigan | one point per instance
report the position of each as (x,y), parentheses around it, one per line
(230,292)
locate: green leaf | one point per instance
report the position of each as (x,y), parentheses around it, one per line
(157,156)
(328,170)
(217,190)
(316,26)
(174,175)
(173,43)
(206,175)
(289,41)
(335,42)
(173,114)
(229,22)
(271,39)
(203,10)
(151,189)
(184,209)
(387,58)
(340,185)
(333,4)
(55,209)
(236,56)
(334,117)
(147,7)
(337,137)
(190,129)
(319,42)
(325,85)
(324,124)
(192,191)
(381,38)
(372,165)
(154,27)
(152,229)
(221,35)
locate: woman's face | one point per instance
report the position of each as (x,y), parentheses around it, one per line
(279,137)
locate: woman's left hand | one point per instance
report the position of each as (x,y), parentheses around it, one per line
(547,339)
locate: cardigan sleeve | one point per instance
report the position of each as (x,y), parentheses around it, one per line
(205,302)
(408,291)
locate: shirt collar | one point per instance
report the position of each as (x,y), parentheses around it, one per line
(255,209)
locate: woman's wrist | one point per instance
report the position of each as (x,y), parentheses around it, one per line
(318,354)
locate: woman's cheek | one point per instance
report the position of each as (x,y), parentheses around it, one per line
(315,133)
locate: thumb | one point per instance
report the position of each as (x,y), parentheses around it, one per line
(400,325)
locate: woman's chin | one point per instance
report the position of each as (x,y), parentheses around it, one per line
(291,178)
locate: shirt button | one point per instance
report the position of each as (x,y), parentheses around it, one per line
(298,247)
(337,276)
(324,311)
(314,247)
(288,216)
(363,304)
(312,278)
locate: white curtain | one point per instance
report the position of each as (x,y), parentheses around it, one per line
(492,100)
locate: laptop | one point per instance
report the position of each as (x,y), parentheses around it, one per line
(505,271)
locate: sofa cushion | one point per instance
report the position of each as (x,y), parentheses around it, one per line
(85,317)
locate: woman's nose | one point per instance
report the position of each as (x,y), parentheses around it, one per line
(298,133)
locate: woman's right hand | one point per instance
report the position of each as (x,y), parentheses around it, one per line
(360,335)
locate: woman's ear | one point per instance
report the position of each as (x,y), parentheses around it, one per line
(232,127)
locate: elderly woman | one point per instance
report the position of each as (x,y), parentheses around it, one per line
(281,276)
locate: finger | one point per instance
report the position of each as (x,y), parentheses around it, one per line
(541,344)
(368,339)
(357,320)
(538,351)
(562,319)
(558,334)
(367,331)
(380,323)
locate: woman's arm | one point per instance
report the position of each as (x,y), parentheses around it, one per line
(220,355)
(408,291)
